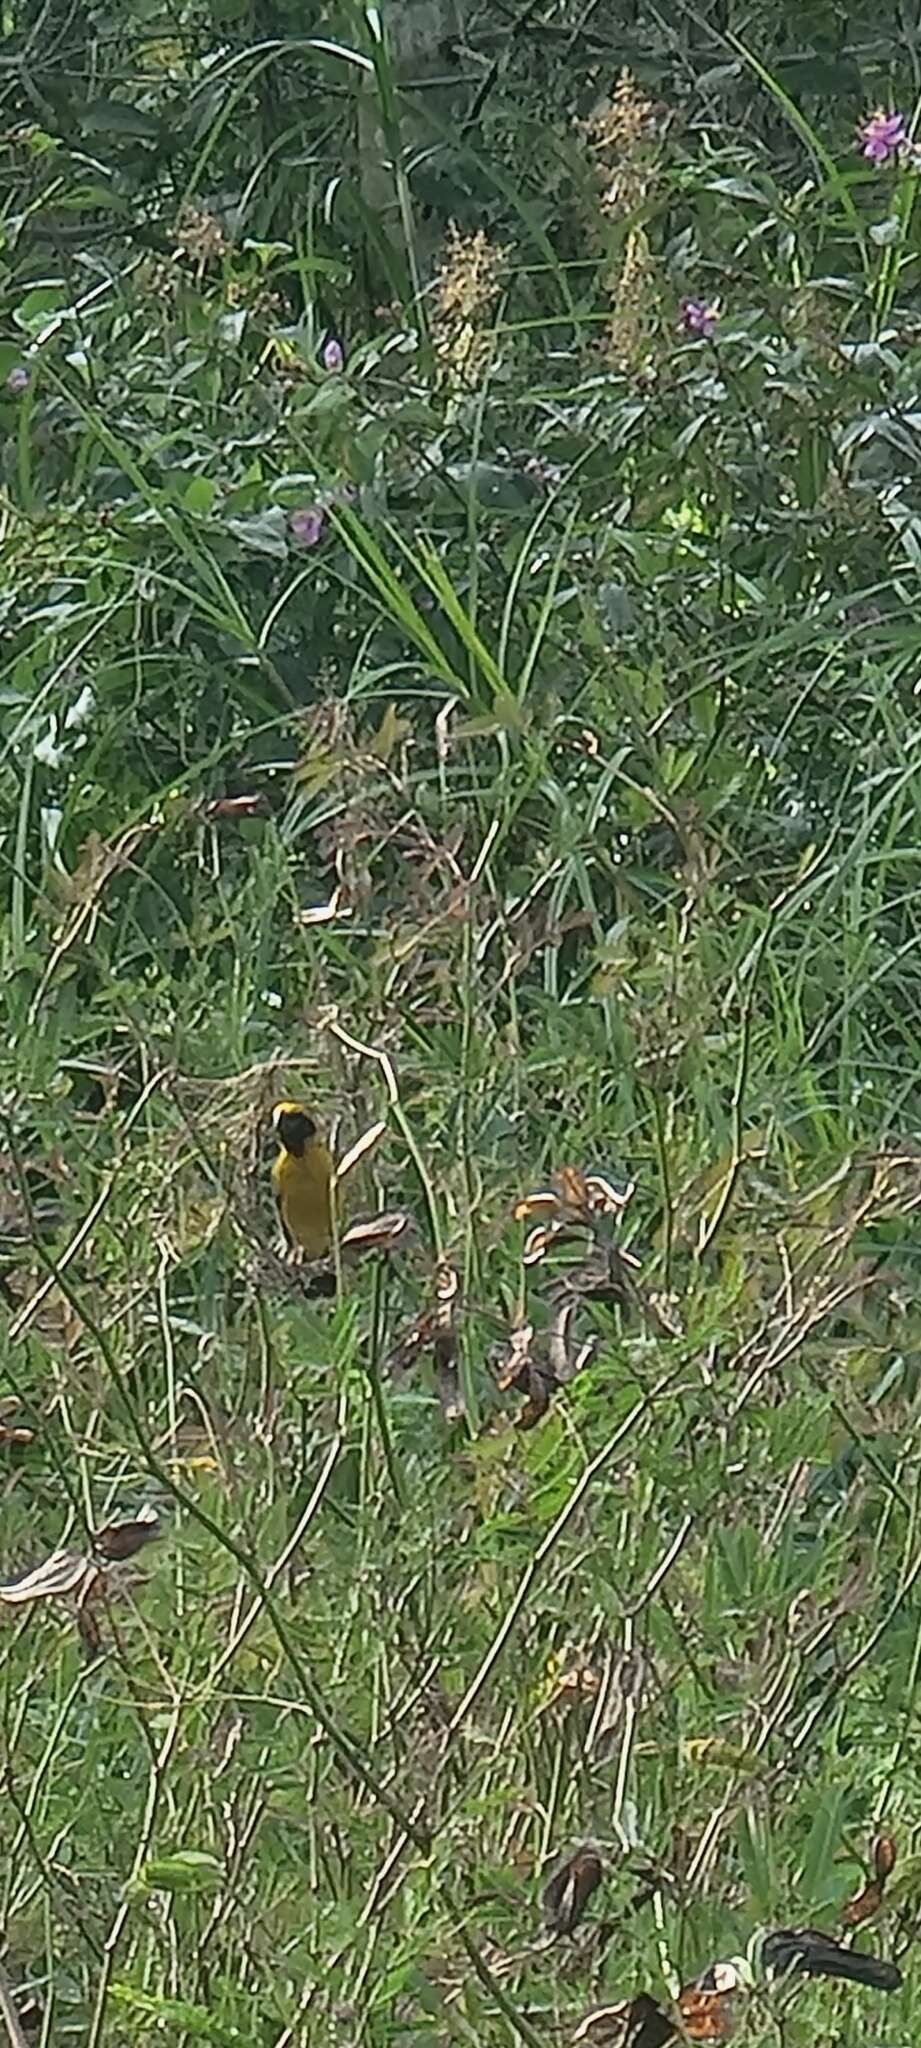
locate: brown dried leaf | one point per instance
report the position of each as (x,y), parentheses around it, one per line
(435,1328)
(518,1368)
(65,1571)
(512,1368)
(88,1630)
(120,1540)
(540,1393)
(868,1901)
(447,1296)
(572,1193)
(573,1198)
(568,1890)
(708,2008)
(864,1906)
(538,1242)
(232,808)
(635,2023)
(384,1233)
(544,1203)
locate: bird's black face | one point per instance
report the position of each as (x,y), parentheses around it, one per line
(293,1127)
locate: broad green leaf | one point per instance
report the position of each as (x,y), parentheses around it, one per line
(188,1870)
(120,117)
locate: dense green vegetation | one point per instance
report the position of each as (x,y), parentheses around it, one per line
(461,530)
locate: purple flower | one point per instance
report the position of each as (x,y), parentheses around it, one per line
(307,526)
(18,380)
(882,136)
(696,318)
(332,355)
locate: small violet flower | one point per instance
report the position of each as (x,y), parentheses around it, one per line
(696,318)
(882,136)
(332,355)
(18,380)
(307,526)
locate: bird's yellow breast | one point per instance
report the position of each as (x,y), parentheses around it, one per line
(302,1189)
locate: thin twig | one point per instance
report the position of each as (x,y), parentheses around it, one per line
(9,2015)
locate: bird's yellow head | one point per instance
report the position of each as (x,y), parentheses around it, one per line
(293,1128)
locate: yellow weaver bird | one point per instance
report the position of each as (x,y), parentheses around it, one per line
(302,1177)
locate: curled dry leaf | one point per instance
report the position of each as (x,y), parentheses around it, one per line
(447,1295)
(540,1395)
(864,1905)
(538,1370)
(604,1198)
(65,1571)
(574,1197)
(868,1901)
(512,1368)
(567,1358)
(361,1147)
(393,1228)
(120,1540)
(538,1242)
(520,1369)
(568,1890)
(543,1203)
(435,1329)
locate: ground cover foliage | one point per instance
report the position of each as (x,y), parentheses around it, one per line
(461,534)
